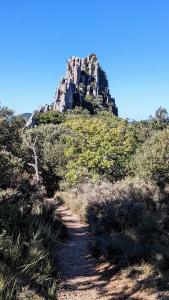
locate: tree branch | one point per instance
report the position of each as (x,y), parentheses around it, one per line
(34,155)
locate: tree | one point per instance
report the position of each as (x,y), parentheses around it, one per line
(146,128)
(11,164)
(10,169)
(48,117)
(5,112)
(98,147)
(50,145)
(151,160)
(161,119)
(10,131)
(35,165)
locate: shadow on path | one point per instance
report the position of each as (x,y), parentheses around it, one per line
(80,278)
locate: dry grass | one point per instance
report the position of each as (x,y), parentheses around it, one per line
(146,268)
(76,202)
(29,231)
(124,219)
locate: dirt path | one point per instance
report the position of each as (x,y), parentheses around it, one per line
(80,278)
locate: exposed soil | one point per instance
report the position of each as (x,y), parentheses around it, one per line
(82,279)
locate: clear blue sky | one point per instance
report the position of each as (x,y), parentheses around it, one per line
(130,38)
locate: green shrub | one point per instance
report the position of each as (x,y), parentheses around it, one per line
(50,147)
(146,128)
(50,117)
(10,169)
(99,147)
(151,160)
(29,230)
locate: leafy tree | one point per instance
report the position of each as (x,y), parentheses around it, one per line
(10,131)
(10,169)
(146,128)
(51,116)
(50,151)
(99,147)
(11,163)
(143,130)
(29,226)
(161,119)
(151,160)
(78,110)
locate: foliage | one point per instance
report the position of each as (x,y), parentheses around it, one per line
(10,137)
(10,169)
(50,150)
(91,104)
(98,147)
(48,117)
(151,160)
(5,112)
(11,165)
(145,128)
(128,225)
(161,119)
(29,225)
(89,98)
(76,111)
(29,229)
(89,156)
(125,219)
(103,82)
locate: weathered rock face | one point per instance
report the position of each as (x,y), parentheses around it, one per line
(85,85)
(84,82)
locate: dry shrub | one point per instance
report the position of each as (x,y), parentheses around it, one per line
(29,232)
(124,218)
(83,196)
(74,201)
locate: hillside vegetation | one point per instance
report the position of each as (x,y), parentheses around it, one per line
(112,172)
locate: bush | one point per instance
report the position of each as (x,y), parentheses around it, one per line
(99,147)
(29,230)
(75,201)
(11,164)
(10,169)
(151,160)
(50,150)
(50,117)
(128,223)
(124,218)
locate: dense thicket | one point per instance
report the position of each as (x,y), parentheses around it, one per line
(29,225)
(113,172)
(98,147)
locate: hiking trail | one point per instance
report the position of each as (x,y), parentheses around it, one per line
(80,278)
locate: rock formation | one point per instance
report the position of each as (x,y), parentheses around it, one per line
(85,85)
(84,82)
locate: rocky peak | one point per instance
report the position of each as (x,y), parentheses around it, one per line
(85,85)
(84,82)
